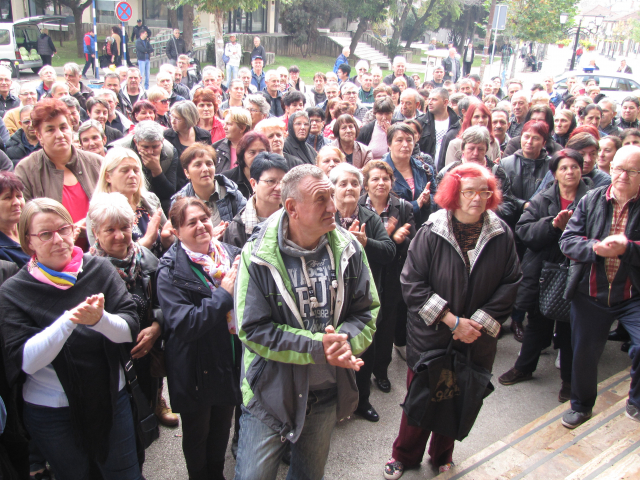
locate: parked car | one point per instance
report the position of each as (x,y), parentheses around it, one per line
(19,41)
(614,85)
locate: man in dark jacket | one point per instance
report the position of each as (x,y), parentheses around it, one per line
(7,99)
(144,50)
(24,142)
(175,47)
(451,64)
(272,94)
(77,89)
(438,120)
(139,28)
(602,239)
(45,47)
(399,67)
(304,348)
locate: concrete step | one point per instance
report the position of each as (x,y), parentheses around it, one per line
(365,52)
(607,446)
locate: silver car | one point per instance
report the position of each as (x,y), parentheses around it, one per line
(614,85)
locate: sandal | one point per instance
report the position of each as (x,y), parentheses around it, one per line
(393,469)
(446,467)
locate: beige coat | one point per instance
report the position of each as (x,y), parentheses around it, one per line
(12,120)
(41,178)
(361,153)
(454,151)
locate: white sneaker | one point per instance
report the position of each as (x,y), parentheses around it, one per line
(402,351)
(558,361)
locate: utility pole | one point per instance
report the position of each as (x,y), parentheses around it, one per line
(487,39)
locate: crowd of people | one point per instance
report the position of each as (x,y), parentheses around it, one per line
(266,245)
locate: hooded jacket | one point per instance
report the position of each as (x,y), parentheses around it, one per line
(435,277)
(298,148)
(277,348)
(536,231)
(199,350)
(228,206)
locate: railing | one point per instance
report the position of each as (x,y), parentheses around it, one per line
(375,43)
(201,36)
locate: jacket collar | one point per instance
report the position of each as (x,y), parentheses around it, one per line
(441,221)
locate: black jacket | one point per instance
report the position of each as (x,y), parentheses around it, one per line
(8,103)
(236,175)
(171,136)
(515,144)
(16,150)
(175,48)
(435,277)
(536,231)
(427,140)
(223,151)
(299,148)
(112,134)
(388,80)
(200,352)
(277,108)
(525,175)
(88,364)
(447,63)
(380,249)
(366,132)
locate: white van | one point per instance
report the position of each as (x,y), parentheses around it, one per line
(18,42)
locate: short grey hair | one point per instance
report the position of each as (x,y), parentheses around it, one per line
(362,64)
(70,102)
(45,69)
(291,181)
(210,70)
(111,209)
(5,70)
(413,92)
(610,102)
(25,108)
(464,103)
(167,67)
(72,67)
(399,59)
(112,75)
(348,86)
(106,92)
(299,113)
(188,111)
(476,134)
(244,70)
(342,168)
(148,131)
(88,125)
(57,85)
(29,87)
(271,73)
(259,101)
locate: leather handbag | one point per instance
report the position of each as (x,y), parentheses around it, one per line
(553,283)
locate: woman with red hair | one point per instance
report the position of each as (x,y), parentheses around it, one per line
(439,261)
(206,100)
(60,171)
(478,114)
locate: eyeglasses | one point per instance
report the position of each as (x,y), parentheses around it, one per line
(165,101)
(620,171)
(484,194)
(47,235)
(271,183)
(254,110)
(25,122)
(28,94)
(315,121)
(349,93)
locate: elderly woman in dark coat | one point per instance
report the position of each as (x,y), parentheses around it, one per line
(368,228)
(460,280)
(64,316)
(195,286)
(539,229)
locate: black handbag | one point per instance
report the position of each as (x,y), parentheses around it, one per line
(553,283)
(144,418)
(446,392)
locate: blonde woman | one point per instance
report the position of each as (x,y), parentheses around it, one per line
(121,172)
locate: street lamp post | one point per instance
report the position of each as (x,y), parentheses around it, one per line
(575,45)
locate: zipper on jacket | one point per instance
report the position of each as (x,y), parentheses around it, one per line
(258,374)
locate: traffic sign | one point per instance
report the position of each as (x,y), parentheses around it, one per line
(500,17)
(124,11)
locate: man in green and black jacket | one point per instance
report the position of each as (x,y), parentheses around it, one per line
(306,308)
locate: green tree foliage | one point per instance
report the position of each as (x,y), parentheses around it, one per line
(366,13)
(77,7)
(301,18)
(539,20)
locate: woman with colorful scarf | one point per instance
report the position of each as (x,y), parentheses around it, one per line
(113,225)
(63,319)
(195,286)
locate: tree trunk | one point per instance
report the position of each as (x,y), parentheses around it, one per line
(77,18)
(362,27)
(419,21)
(173,18)
(463,38)
(187,26)
(218,24)
(397,28)
(475,14)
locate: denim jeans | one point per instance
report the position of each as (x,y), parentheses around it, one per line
(232,73)
(145,69)
(590,324)
(260,448)
(53,434)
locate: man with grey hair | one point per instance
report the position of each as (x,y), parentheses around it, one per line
(349,92)
(92,138)
(520,104)
(607,122)
(272,93)
(28,95)
(76,112)
(409,105)
(58,89)
(244,74)
(132,91)
(160,160)
(178,88)
(343,59)
(399,67)
(7,99)
(258,107)
(25,141)
(303,329)
(77,89)
(451,64)
(465,85)
(116,119)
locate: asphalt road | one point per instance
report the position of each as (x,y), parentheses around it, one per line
(359,449)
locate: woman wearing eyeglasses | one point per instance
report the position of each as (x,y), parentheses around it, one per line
(60,171)
(160,99)
(64,318)
(459,281)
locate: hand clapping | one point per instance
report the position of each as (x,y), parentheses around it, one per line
(359,232)
(89,312)
(612,246)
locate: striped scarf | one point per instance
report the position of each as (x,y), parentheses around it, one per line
(62,280)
